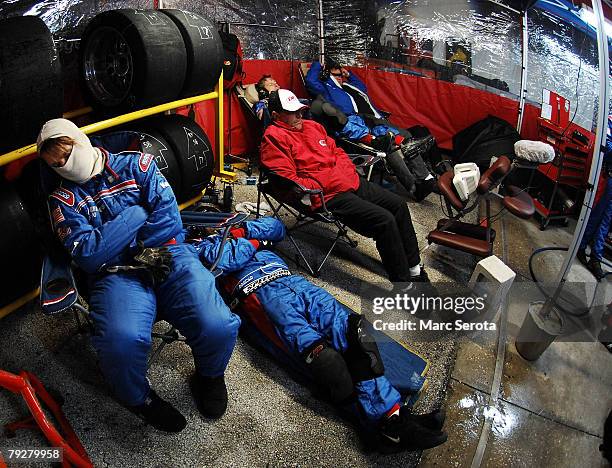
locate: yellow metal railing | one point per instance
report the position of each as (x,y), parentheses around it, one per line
(115,121)
(139,114)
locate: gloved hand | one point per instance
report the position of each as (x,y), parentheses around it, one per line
(261,244)
(156,260)
(384,142)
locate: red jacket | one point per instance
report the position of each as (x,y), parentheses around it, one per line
(310,158)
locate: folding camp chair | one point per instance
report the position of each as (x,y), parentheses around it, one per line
(354,147)
(295,198)
(363,160)
(59,289)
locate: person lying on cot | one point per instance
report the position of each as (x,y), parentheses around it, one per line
(359,120)
(320,334)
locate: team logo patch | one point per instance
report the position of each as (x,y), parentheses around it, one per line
(57,215)
(63,232)
(63,195)
(144,162)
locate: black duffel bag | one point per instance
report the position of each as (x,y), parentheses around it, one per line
(483,140)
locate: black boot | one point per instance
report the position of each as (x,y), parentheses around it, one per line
(424,188)
(594,266)
(210,395)
(404,432)
(329,371)
(605,338)
(160,414)
(581,256)
(433,420)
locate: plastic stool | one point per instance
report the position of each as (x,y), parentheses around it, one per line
(492,280)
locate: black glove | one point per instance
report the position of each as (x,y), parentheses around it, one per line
(385,143)
(265,244)
(156,260)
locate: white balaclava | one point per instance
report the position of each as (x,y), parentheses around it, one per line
(84,162)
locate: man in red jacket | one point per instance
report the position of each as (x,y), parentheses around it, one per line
(301,150)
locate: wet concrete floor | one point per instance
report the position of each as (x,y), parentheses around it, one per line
(550,412)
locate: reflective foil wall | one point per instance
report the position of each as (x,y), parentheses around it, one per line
(470,42)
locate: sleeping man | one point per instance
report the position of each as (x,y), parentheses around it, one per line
(321,335)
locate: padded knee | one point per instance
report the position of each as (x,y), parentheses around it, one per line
(329,371)
(362,355)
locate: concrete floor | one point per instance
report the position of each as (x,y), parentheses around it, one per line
(550,413)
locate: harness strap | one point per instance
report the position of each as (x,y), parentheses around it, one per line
(251,285)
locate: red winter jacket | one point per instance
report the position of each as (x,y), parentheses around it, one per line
(310,158)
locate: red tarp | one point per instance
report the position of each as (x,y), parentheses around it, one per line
(445,108)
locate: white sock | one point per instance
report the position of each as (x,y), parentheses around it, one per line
(415,270)
(429,176)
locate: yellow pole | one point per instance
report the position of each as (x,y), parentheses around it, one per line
(113,122)
(220,169)
(4,311)
(77,113)
(195,199)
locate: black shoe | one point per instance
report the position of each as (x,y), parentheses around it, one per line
(594,266)
(605,338)
(210,395)
(329,371)
(160,414)
(433,420)
(403,432)
(424,188)
(422,277)
(582,258)
(422,285)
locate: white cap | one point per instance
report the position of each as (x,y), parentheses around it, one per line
(287,101)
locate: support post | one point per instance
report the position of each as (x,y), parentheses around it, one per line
(321,29)
(524,58)
(533,350)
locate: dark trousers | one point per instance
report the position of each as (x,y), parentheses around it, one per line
(373,211)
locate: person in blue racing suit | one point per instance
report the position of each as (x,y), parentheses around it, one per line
(118,218)
(330,339)
(598,225)
(361,121)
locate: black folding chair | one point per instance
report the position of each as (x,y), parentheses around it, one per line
(62,290)
(296,200)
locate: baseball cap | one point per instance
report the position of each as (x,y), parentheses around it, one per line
(284,100)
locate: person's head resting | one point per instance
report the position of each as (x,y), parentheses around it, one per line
(287,108)
(265,86)
(335,70)
(68,151)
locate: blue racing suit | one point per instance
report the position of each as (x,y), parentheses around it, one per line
(302,313)
(356,127)
(100,222)
(601,216)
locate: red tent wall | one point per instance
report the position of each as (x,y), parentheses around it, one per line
(445,108)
